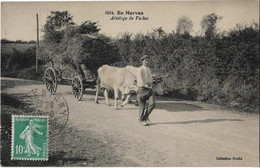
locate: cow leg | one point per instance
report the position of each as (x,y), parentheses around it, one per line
(126,100)
(123,97)
(136,103)
(116,98)
(106,97)
(97,90)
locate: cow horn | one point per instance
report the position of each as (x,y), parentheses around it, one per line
(165,76)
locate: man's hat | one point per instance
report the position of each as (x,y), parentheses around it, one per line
(145,57)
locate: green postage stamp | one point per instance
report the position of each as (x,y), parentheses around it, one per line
(29,137)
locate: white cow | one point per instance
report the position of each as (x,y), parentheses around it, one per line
(120,79)
(117,79)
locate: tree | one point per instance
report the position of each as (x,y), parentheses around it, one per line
(184,25)
(125,46)
(79,46)
(54,22)
(159,32)
(208,24)
(89,27)
(6,41)
(32,42)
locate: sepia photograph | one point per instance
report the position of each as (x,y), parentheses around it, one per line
(130,83)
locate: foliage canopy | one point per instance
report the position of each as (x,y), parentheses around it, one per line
(67,43)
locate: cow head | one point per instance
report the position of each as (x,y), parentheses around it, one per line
(157,84)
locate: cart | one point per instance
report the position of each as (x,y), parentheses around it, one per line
(79,82)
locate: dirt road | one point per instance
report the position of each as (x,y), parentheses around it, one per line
(183,133)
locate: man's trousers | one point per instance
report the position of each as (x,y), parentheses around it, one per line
(144,94)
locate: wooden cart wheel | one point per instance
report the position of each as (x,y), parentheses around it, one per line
(77,87)
(50,79)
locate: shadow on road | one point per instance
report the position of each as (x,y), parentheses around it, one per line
(198,121)
(176,107)
(12,82)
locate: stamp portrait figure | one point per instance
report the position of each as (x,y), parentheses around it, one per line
(27,134)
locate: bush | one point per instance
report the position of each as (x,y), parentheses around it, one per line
(27,73)
(17,59)
(221,69)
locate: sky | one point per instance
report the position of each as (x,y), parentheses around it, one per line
(18,19)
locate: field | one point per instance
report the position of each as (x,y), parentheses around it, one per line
(7,48)
(16,57)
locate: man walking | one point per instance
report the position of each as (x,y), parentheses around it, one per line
(145,91)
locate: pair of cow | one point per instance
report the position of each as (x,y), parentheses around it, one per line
(122,80)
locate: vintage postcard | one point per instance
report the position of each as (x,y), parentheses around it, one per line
(130,83)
